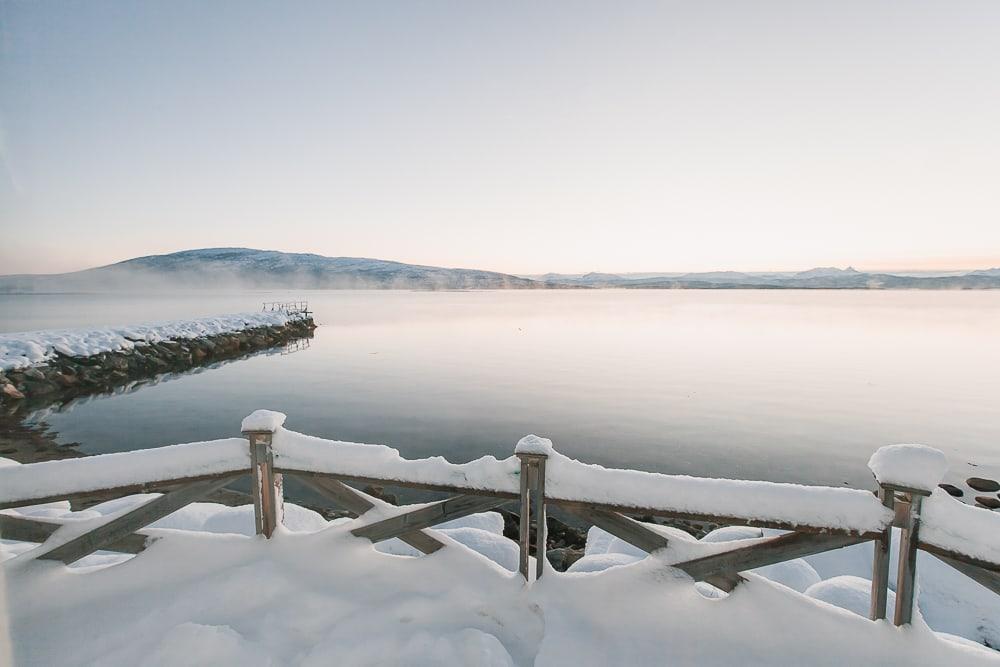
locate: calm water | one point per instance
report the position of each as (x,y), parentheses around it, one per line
(780,385)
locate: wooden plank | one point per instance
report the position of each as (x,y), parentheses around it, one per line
(266,485)
(131,521)
(645,538)
(633,532)
(540,526)
(101,495)
(524,522)
(358,503)
(989,566)
(27,529)
(990,580)
(713,518)
(880,561)
(769,552)
(906,574)
(425,517)
(383,481)
(723,520)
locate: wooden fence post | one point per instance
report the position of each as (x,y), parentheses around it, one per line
(532,494)
(268,498)
(906,576)
(880,563)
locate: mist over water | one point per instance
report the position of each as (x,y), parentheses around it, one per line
(788,386)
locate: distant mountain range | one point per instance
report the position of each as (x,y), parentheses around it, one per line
(818,278)
(234,268)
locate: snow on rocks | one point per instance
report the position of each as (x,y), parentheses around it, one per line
(267,421)
(911,466)
(18,350)
(847,592)
(320,595)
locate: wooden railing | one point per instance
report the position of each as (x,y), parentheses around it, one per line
(186,473)
(295,309)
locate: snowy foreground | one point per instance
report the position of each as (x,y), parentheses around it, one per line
(211,593)
(18,350)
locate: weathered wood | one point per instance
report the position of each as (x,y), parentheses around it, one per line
(24,529)
(987,578)
(100,495)
(723,520)
(906,574)
(645,538)
(385,481)
(771,551)
(266,484)
(358,503)
(880,561)
(712,518)
(532,499)
(538,496)
(524,522)
(116,529)
(989,566)
(425,517)
(633,532)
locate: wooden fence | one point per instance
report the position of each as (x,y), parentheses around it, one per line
(295,309)
(186,473)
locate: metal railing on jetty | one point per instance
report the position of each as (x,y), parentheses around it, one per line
(817,519)
(295,309)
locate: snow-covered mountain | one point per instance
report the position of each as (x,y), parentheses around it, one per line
(232,268)
(222,268)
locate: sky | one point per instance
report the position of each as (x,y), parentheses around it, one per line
(510,136)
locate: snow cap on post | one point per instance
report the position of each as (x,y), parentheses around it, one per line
(263,421)
(534,445)
(917,467)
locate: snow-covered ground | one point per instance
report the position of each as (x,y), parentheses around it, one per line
(209,592)
(18,350)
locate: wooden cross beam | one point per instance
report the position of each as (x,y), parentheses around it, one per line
(630,530)
(425,517)
(357,503)
(24,529)
(643,537)
(987,578)
(122,526)
(771,551)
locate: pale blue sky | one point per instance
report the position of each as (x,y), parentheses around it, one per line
(520,137)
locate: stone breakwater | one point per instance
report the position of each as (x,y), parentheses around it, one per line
(64,374)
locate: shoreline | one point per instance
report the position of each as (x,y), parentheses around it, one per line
(64,376)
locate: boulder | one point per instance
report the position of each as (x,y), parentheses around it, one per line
(10,391)
(981,484)
(988,501)
(952,490)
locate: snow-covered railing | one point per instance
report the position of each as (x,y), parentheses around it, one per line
(294,309)
(816,519)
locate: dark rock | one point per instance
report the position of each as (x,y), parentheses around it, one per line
(561,559)
(981,484)
(38,388)
(33,374)
(952,490)
(988,501)
(66,380)
(380,493)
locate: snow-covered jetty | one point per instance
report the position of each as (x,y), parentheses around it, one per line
(46,363)
(697,601)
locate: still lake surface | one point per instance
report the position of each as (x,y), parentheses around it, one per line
(780,385)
